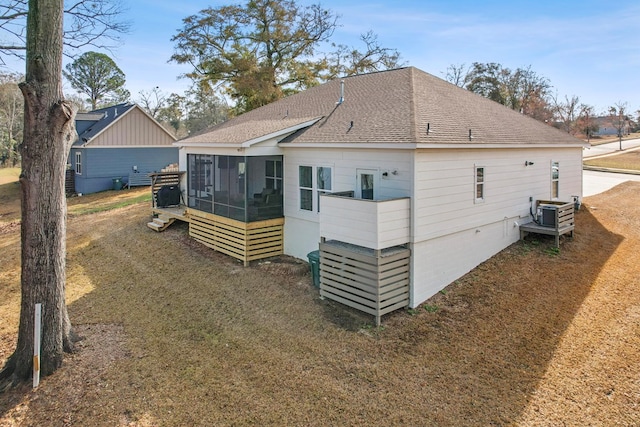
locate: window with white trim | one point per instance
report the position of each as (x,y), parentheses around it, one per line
(310,188)
(555,180)
(324,182)
(479,183)
(305,181)
(273,174)
(78,163)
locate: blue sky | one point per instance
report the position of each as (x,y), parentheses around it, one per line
(586,48)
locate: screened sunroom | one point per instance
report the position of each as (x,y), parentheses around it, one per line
(242,188)
(235,204)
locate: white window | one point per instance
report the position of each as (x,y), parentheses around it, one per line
(323,182)
(310,188)
(273,174)
(305,182)
(479,184)
(555,180)
(78,163)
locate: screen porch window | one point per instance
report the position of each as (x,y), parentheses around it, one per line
(78,163)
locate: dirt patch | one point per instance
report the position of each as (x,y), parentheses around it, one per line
(177,334)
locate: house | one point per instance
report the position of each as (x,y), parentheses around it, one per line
(402,181)
(118,145)
(610,126)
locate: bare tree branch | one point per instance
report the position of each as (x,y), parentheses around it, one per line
(92,23)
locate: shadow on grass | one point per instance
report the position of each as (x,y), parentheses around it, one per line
(208,341)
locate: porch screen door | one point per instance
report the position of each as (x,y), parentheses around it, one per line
(365,184)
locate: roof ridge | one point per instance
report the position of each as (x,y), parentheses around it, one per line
(412,106)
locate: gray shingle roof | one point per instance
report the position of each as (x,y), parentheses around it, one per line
(388,107)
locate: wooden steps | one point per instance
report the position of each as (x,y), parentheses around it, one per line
(160,223)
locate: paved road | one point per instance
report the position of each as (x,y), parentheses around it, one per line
(610,148)
(594,182)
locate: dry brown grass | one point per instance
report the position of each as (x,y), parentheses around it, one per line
(626,161)
(176,334)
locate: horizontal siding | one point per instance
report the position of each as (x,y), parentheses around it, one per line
(101,165)
(444,200)
(344,164)
(372,224)
(440,261)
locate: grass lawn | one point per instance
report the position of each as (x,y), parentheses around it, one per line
(176,334)
(626,160)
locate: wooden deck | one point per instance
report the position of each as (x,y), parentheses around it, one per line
(564,220)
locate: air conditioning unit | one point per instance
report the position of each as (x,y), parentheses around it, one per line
(547,215)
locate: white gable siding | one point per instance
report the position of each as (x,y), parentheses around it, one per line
(302,233)
(453,233)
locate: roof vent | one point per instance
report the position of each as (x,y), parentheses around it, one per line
(341,100)
(470,136)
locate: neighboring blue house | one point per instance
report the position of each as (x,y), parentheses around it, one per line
(121,143)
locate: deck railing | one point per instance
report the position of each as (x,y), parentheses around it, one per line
(375,224)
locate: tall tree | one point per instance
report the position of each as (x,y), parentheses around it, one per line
(522,90)
(585,123)
(152,101)
(11,116)
(457,74)
(263,50)
(203,109)
(619,119)
(48,134)
(568,112)
(349,61)
(255,52)
(87,23)
(96,75)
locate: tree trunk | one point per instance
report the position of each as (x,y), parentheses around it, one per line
(49,132)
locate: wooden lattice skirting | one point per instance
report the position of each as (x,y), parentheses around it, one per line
(244,241)
(373,281)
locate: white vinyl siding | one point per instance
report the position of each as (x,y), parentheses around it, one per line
(451,233)
(443,203)
(301,226)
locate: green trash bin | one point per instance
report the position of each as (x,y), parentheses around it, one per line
(117,183)
(314,264)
